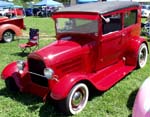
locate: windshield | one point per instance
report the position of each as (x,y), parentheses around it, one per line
(76,25)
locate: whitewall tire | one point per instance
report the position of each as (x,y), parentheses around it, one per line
(142,55)
(76,99)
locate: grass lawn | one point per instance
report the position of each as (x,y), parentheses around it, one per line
(45,25)
(116,102)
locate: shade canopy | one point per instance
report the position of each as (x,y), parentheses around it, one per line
(17,6)
(48,3)
(5,4)
(85,1)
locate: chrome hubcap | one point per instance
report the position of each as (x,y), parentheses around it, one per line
(78,99)
(8,36)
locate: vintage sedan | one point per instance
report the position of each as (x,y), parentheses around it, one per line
(97,45)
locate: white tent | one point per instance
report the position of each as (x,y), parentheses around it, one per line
(6,4)
(48,3)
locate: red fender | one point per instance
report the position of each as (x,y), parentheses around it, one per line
(133,47)
(17,30)
(61,89)
(9,70)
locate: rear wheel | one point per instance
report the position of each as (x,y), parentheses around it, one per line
(11,85)
(142,56)
(8,36)
(76,100)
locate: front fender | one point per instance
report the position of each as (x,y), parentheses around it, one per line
(9,70)
(61,89)
(14,28)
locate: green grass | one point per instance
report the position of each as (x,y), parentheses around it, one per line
(45,25)
(116,102)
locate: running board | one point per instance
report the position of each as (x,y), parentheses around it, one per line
(106,78)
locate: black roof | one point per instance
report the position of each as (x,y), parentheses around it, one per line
(100,7)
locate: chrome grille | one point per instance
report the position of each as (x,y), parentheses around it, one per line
(36,66)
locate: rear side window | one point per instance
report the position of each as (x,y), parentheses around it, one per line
(130,18)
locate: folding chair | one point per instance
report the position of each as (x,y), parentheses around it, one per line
(33,42)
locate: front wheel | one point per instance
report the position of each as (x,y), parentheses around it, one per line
(142,55)
(8,36)
(76,99)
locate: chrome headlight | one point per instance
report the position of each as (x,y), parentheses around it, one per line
(20,65)
(48,73)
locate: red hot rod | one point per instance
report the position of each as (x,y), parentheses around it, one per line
(10,27)
(97,45)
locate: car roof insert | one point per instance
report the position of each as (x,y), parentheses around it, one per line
(100,7)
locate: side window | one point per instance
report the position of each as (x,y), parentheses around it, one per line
(113,25)
(130,18)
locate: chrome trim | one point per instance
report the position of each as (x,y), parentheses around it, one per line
(36,74)
(53,78)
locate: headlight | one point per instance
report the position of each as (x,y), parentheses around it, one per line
(48,73)
(20,65)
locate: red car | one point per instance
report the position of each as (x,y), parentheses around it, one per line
(97,45)
(10,27)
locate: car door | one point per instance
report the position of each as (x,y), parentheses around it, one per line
(111,41)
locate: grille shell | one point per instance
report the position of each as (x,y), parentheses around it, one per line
(36,66)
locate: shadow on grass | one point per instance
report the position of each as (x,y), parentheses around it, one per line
(131,100)
(26,99)
(94,93)
(22,54)
(47,109)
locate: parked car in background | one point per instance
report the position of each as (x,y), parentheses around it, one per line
(97,46)
(145,10)
(12,12)
(47,11)
(28,11)
(44,11)
(141,107)
(17,11)
(3,11)
(10,27)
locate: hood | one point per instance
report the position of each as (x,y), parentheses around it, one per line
(58,51)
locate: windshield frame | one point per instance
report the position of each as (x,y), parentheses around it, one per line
(82,15)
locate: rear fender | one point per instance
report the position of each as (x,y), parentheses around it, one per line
(61,89)
(132,52)
(17,31)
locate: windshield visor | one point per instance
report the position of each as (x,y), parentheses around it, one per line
(76,25)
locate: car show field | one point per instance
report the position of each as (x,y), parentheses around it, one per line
(115,102)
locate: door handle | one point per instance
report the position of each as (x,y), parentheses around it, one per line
(123,34)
